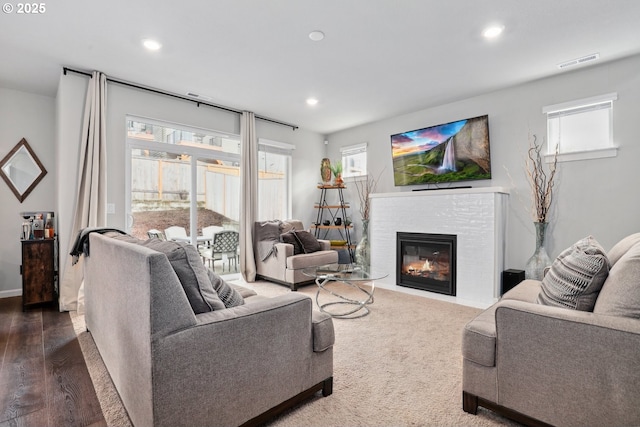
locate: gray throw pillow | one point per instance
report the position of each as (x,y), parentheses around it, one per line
(621,248)
(191,272)
(308,241)
(228,295)
(575,277)
(620,294)
(303,242)
(291,238)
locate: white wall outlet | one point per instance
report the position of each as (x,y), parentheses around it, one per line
(111,208)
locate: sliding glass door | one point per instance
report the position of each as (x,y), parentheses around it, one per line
(181,180)
(184,183)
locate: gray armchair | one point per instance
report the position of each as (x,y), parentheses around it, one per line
(550,365)
(277,261)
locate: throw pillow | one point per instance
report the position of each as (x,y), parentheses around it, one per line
(229,296)
(303,242)
(575,277)
(621,248)
(620,294)
(191,272)
(308,241)
(291,238)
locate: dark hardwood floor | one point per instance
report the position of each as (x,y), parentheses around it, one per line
(43,376)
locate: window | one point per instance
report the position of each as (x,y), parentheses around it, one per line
(581,129)
(354,160)
(274,184)
(180,176)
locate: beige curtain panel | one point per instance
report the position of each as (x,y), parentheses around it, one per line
(91,203)
(249,197)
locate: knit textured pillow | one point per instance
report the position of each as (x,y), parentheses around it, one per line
(576,276)
(229,296)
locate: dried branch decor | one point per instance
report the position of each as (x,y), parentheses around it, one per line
(365,187)
(541,181)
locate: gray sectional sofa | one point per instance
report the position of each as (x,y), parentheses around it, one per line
(563,351)
(214,356)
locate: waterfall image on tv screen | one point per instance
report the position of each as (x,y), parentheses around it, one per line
(450,152)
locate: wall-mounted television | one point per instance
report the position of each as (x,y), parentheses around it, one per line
(450,152)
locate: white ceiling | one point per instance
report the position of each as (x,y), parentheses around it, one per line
(379,59)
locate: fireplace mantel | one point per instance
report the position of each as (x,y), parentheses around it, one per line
(443,192)
(475,215)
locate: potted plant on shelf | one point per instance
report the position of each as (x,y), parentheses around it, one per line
(541,183)
(337,173)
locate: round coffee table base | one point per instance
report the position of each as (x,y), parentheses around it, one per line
(358,306)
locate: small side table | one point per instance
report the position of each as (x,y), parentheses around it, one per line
(38,272)
(351,275)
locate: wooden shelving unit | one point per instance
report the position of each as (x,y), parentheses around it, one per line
(331,212)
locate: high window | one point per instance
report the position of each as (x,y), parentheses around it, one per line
(354,160)
(274,185)
(581,129)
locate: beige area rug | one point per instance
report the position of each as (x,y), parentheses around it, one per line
(399,366)
(112,408)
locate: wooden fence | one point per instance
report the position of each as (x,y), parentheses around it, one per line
(156,180)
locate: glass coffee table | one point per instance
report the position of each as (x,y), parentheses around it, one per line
(331,280)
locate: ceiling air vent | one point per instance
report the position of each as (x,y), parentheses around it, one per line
(579,61)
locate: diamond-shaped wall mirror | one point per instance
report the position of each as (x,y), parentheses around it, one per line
(21,170)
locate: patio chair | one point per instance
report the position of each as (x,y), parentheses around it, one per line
(224,246)
(210,231)
(155,233)
(174,232)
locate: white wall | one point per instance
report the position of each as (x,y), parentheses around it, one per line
(123,101)
(29,116)
(597,197)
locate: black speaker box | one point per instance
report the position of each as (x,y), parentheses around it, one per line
(511,278)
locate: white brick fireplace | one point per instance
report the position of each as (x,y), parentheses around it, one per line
(475,215)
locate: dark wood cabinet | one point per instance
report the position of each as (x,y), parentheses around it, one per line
(38,272)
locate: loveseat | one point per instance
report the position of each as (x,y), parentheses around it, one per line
(282,249)
(563,351)
(198,354)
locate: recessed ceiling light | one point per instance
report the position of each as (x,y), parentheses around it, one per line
(493,31)
(151,44)
(316,36)
(312,101)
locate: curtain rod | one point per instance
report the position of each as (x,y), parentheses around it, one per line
(173,95)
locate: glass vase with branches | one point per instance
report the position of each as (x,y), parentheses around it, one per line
(365,187)
(541,180)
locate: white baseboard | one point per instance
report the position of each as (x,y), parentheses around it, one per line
(11,293)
